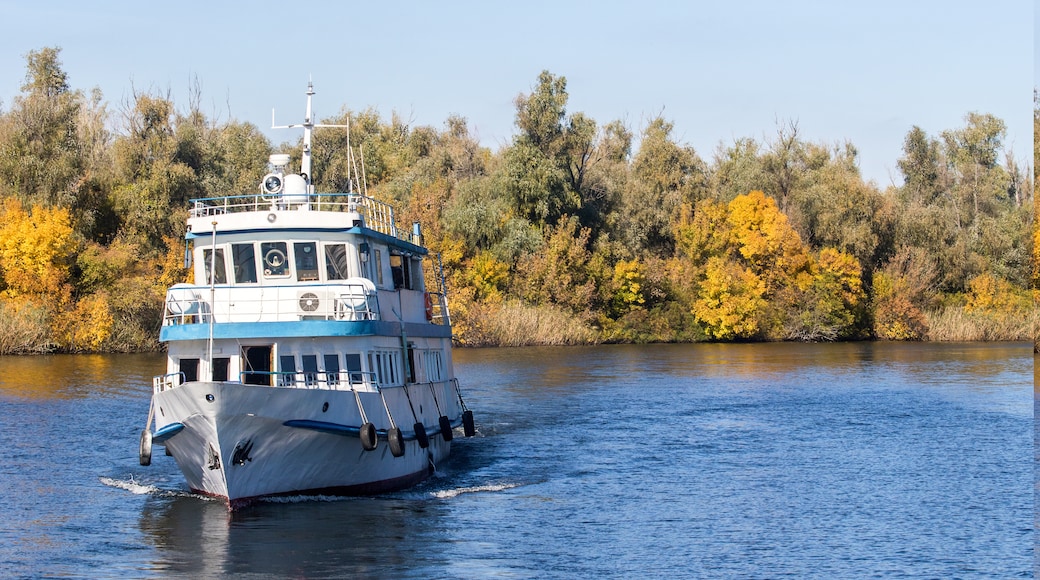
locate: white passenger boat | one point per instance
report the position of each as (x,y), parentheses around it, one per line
(313,355)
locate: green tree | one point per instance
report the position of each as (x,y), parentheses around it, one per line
(838,210)
(665,175)
(40,153)
(738,169)
(157,183)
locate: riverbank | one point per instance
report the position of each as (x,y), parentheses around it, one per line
(515,324)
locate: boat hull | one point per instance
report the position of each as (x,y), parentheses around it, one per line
(243,442)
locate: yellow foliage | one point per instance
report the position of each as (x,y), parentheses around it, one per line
(35,249)
(895,316)
(843,271)
(765,239)
(487,275)
(629,283)
(86,326)
(730,301)
(990,294)
(703,231)
(452,251)
(173,270)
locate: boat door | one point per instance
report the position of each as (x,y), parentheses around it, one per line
(257,368)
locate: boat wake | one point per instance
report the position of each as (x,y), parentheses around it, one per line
(450,493)
(137,488)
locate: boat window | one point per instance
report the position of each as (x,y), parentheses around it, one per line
(433,365)
(415,273)
(353,361)
(336,262)
(243,257)
(216,264)
(377,263)
(306,261)
(288,375)
(220,368)
(384,367)
(400,272)
(310,369)
(332,369)
(190,368)
(275,263)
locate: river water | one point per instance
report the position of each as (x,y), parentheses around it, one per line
(693,461)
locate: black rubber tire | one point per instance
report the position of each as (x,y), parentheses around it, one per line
(367,434)
(468,426)
(446,428)
(146,447)
(395,441)
(421,436)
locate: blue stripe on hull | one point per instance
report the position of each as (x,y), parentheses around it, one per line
(301,328)
(166,432)
(351,431)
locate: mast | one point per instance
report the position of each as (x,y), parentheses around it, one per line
(308,127)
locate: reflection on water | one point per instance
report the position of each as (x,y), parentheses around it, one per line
(338,537)
(65,376)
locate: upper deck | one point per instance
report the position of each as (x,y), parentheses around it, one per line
(327,211)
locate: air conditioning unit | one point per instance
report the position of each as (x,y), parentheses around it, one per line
(310,306)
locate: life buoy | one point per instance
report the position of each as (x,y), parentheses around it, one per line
(428,302)
(446,428)
(421,436)
(367,433)
(395,441)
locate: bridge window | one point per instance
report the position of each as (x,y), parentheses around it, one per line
(216,265)
(275,262)
(306,261)
(243,257)
(336,262)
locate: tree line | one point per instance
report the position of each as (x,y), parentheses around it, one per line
(574,232)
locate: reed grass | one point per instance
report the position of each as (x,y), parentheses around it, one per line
(955,324)
(516,324)
(25,329)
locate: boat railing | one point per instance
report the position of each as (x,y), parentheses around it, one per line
(344,380)
(346,301)
(378,216)
(168,381)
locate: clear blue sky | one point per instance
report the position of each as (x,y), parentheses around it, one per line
(865,72)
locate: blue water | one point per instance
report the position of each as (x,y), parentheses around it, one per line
(702,461)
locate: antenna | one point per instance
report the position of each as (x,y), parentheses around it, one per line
(308,126)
